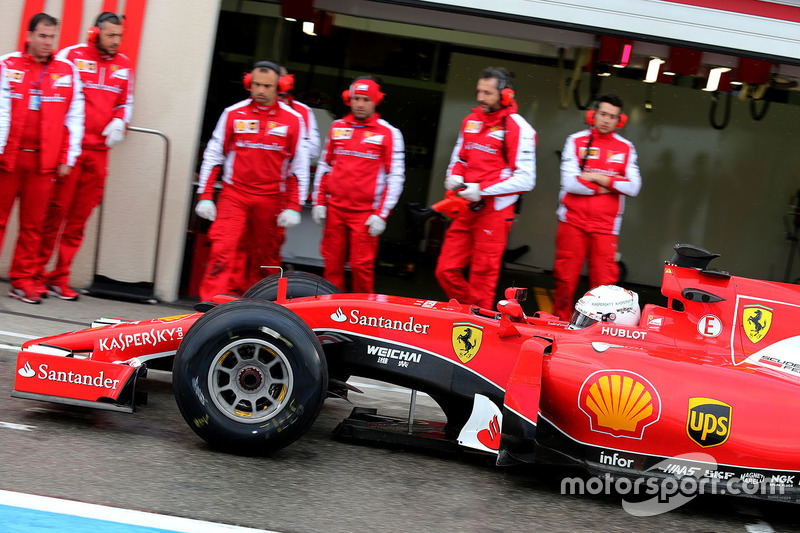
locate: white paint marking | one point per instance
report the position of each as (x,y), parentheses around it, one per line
(759,527)
(121,516)
(12,425)
(20,335)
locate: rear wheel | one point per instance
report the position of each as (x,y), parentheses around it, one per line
(300,284)
(250,377)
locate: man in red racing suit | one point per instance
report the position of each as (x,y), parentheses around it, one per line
(43,144)
(259,143)
(108,88)
(492,163)
(598,170)
(358,181)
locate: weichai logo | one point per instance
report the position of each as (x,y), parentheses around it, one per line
(708,422)
(619,402)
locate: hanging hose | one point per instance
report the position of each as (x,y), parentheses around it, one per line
(759,95)
(594,89)
(570,86)
(713,111)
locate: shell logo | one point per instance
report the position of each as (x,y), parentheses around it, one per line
(619,402)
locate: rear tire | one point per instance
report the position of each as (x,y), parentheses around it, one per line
(300,284)
(250,377)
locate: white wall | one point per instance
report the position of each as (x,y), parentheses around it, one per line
(170,91)
(727,190)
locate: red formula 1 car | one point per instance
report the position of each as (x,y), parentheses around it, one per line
(704,387)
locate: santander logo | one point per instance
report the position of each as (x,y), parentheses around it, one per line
(338,316)
(26,371)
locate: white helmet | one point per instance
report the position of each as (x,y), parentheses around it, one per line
(606,303)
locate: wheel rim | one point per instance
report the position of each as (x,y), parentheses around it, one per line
(250,381)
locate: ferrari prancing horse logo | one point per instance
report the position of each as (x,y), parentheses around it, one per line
(466,340)
(756,320)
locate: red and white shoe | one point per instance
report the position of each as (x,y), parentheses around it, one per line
(25,294)
(40,287)
(62,291)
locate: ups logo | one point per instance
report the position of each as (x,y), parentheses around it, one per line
(708,422)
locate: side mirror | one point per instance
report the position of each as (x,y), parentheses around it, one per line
(519,294)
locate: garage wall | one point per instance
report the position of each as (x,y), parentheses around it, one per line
(727,190)
(171,84)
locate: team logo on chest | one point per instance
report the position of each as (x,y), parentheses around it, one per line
(245,126)
(372,138)
(119,73)
(615,157)
(15,75)
(473,126)
(594,153)
(84,65)
(340,134)
(275,128)
(496,132)
(61,81)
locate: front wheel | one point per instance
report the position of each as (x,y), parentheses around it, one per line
(250,377)
(299,284)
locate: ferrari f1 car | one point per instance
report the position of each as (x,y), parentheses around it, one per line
(713,375)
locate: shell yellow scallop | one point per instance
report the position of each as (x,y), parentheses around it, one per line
(619,402)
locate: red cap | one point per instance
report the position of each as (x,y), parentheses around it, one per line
(368,88)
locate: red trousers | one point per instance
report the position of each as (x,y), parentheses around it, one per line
(33,189)
(476,239)
(346,238)
(573,247)
(73,200)
(235,210)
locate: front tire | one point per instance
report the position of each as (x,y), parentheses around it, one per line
(250,377)
(300,284)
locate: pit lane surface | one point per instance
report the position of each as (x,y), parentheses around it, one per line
(151,461)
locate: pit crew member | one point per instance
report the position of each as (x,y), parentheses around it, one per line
(492,164)
(358,181)
(259,142)
(598,170)
(44,141)
(107,81)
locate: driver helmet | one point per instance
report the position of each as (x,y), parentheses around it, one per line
(606,303)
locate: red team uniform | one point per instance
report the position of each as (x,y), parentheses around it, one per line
(497,151)
(264,171)
(590,220)
(361,173)
(108,88)
(46,129)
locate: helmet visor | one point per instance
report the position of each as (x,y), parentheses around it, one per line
(580,321)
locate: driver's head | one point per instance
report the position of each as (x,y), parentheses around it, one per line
(606,303)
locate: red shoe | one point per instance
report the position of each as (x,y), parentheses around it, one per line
(25,294)
(40,287)
(62,291)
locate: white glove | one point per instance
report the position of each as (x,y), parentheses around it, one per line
(288,218)
(471,193)
(318,214)
(206,209)
(376,225)
(114,131)
(453,182)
